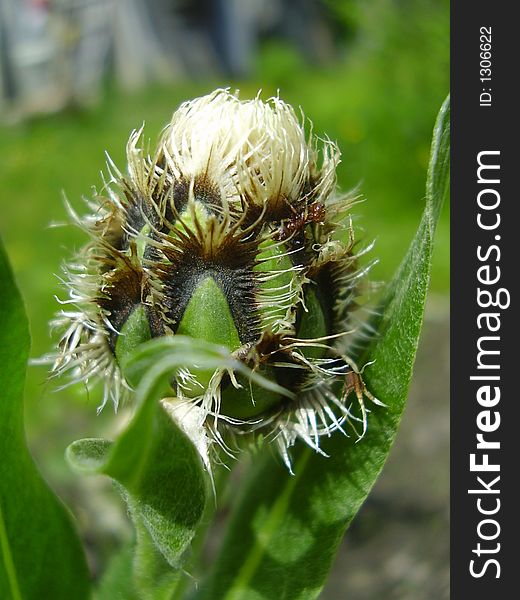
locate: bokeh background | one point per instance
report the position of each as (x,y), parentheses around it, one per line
(76,76)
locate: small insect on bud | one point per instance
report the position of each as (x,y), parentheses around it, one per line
(230,232)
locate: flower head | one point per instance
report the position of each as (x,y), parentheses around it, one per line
(230,232)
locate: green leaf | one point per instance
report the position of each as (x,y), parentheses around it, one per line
(40,552)
(157,465)
(285,530)
(437,182)
(177,351)
(163,484)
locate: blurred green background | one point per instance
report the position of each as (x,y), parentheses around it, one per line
(377,97)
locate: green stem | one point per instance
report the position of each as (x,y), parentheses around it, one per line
(154,578)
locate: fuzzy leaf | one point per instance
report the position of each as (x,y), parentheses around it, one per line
(40,552)
(156,464)
(160,476)
(285,530)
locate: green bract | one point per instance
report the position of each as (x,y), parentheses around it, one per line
(232,233)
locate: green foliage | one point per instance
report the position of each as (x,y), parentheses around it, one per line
(284,530)
(377,102)
(40,552)
(160,476)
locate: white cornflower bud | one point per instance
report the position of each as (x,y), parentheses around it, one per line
(229,232)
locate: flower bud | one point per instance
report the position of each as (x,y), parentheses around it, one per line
(230,232)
